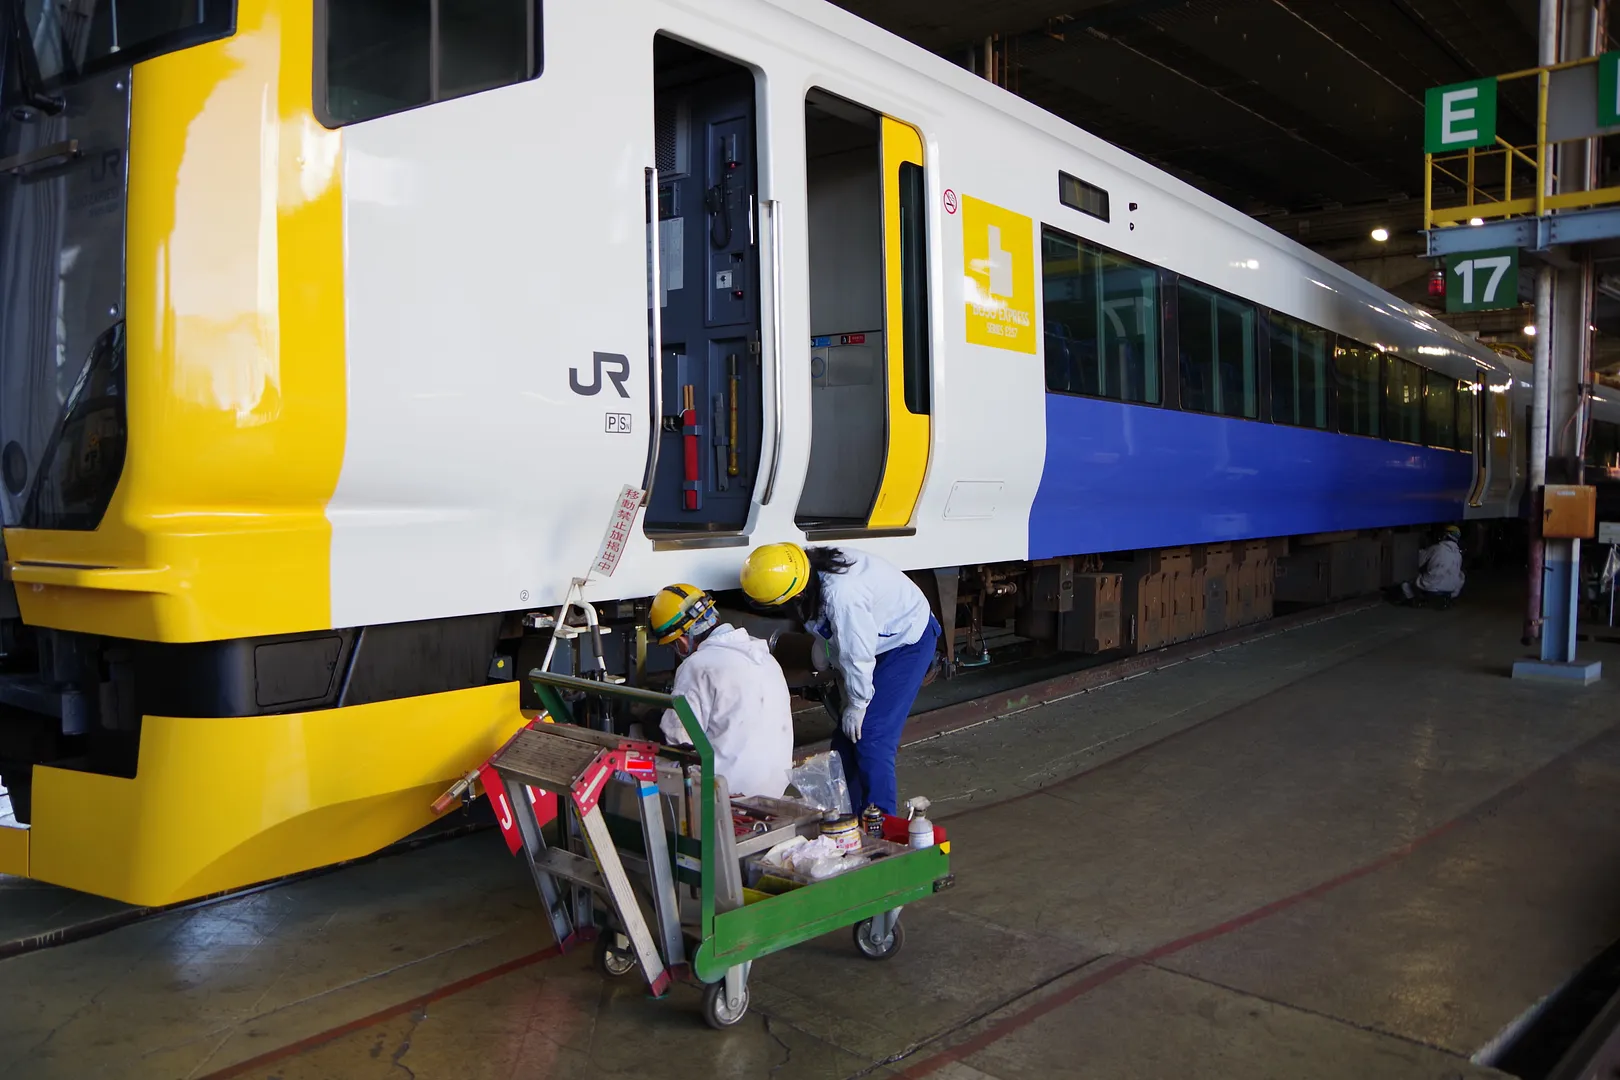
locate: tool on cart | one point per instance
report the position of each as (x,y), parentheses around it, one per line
(872,820)
(642,863)
(919,830)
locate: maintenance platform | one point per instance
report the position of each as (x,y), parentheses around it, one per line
(1348,847)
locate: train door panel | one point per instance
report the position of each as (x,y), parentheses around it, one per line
(1497,408)
(868,318)
(711,416)
(1478,433)
(905,267)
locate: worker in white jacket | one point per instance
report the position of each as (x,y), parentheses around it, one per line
(1440,571)
(882,635)
(735,688)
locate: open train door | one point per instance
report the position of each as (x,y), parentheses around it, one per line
(1477,434)
(1498,440)
(869,320)
(704,297)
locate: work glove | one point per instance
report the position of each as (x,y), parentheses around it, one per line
(852,724)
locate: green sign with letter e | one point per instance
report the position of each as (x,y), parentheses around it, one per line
(1459,116)
(1608,109)
(1482,280)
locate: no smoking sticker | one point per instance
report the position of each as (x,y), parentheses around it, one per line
(950,201)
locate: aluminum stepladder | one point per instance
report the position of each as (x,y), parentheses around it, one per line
(579,764)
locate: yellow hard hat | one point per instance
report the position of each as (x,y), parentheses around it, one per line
(775,573)
(677,610)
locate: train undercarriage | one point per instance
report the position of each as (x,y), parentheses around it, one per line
(77,702)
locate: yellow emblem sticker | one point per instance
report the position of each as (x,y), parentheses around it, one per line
(998,256)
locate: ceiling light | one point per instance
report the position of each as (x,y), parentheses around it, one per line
(1476,221)
(1380,234)
(1530,331)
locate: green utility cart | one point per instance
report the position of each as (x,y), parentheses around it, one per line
(656,863)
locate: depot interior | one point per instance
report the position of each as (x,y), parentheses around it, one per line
(1310,118)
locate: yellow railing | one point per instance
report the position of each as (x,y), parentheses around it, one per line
(1504,180)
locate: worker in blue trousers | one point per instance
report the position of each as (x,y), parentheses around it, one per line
(882,636)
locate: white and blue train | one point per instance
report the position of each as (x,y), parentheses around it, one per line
(332,333)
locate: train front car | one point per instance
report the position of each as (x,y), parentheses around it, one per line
(177,713)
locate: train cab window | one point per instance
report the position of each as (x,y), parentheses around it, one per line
(386,56)
(1299,372)
(73,41)
(1102,321)
(1359,369)
(1440,411)
(1405,390)
(1217,352)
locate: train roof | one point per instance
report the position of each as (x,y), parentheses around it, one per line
(1381,304)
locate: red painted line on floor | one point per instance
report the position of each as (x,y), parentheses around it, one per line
(270,1057)
(1023,1018)
(1156,743)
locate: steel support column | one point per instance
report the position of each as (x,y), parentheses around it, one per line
(1570,357)
(1569,30)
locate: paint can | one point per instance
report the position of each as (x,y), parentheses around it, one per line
(845,832)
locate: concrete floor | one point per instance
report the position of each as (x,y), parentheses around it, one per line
(1352,849)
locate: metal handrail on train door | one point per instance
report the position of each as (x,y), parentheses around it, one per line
(778,357)
(655,335)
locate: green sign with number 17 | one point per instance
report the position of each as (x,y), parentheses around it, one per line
(1482,280)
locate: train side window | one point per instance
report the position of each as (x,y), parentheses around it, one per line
(1466,404)
(1440,410)
(1218,361)
(1102,321)
(1360,403)
(1405,400)
(377,57)
(1299,372)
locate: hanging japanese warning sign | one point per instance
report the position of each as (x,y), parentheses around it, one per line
(618,531)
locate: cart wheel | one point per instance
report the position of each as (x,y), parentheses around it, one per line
(873,949)
(716,1013)
(613,960)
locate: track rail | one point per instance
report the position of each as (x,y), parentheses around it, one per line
(1572,1034)
(1596,1054)
(67,935)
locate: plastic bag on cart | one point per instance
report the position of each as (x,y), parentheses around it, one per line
(820,782)
(816,859)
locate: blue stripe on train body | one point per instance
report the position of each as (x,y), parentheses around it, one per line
(1125,477)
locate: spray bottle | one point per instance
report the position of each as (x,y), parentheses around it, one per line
(919,830)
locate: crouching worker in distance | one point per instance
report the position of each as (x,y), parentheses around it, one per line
(735,688)
(1440,572)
